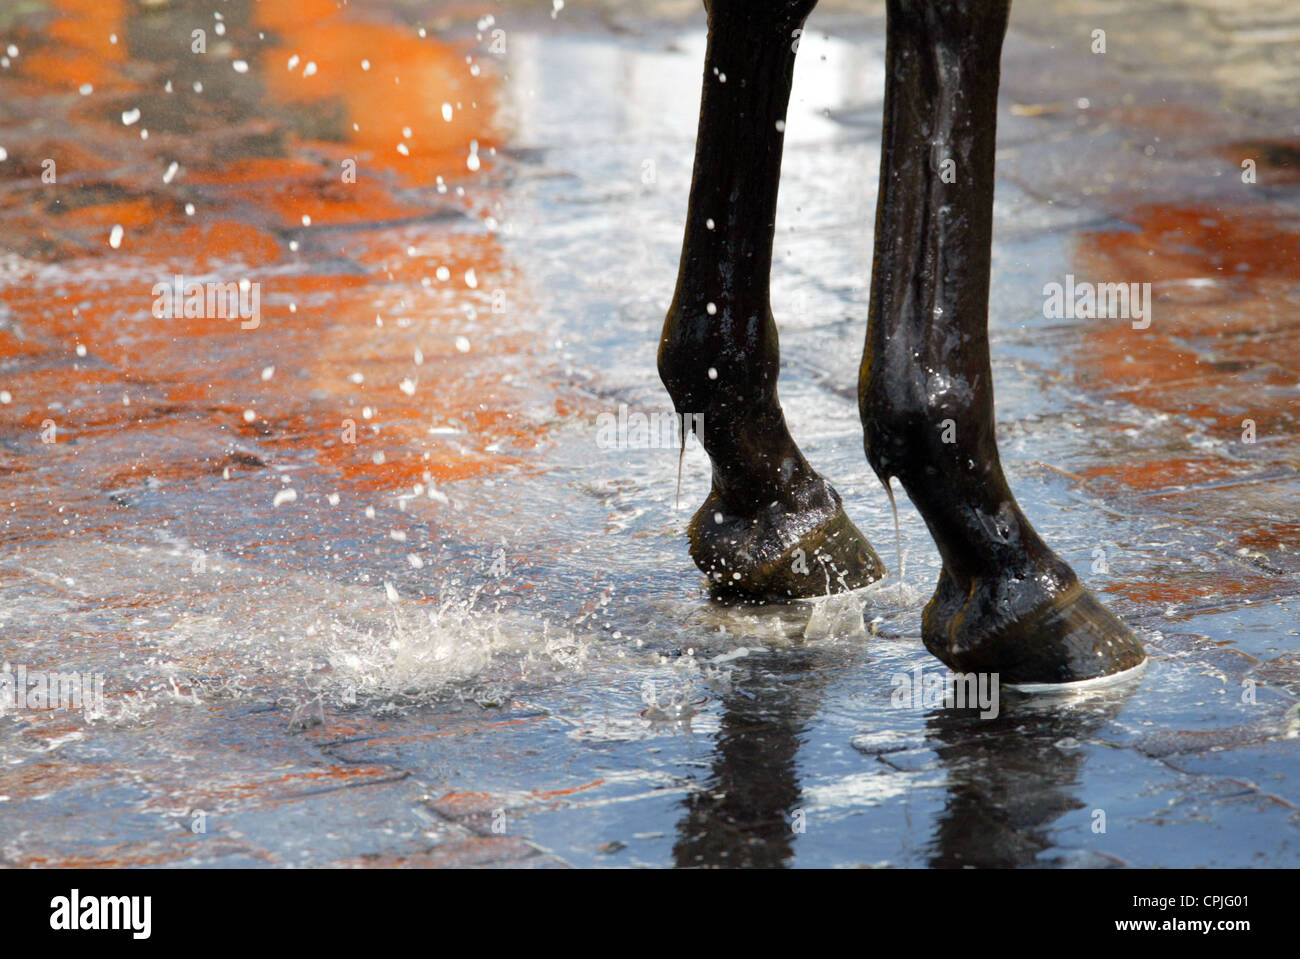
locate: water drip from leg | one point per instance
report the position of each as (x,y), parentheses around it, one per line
(681,457)
(898,534)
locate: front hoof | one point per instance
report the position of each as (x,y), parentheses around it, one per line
(1027,632)
(779,555)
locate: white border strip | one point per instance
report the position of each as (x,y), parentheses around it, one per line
(1083,685)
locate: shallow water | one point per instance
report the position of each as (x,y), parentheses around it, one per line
(473,635)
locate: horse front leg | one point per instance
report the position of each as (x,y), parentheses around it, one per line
(771,527)
(1005,602)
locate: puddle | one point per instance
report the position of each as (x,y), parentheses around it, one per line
(364,582)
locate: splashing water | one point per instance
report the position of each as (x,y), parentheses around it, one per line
(423,653)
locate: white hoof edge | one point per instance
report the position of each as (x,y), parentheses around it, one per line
(1081,686)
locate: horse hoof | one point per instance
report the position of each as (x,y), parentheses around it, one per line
(1031,631)
(781,555)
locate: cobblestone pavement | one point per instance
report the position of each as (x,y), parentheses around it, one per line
(366,584)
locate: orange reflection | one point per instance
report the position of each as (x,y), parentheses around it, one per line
(391,84)
(380,299)
(1225,286)
(1220,352)
(83,45)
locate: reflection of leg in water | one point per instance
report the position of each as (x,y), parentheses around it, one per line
(1008,780)
(743,816)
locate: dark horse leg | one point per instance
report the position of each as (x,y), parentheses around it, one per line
(1005,602)
(771,526)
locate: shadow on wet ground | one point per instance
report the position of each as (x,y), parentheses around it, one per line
(376,563)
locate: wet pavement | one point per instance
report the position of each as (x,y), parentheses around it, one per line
(368,578)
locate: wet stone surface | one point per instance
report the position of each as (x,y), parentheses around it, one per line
(471,634)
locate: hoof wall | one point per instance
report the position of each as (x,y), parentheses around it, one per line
(782,556)
(1029,640)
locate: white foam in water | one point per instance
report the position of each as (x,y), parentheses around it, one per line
(838,616)
(230,628)
(426,650)
(843,615)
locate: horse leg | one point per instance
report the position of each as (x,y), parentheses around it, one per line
(1005,602)
(771,526)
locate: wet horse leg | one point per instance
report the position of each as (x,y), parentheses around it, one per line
(1005,602)
(771,526)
